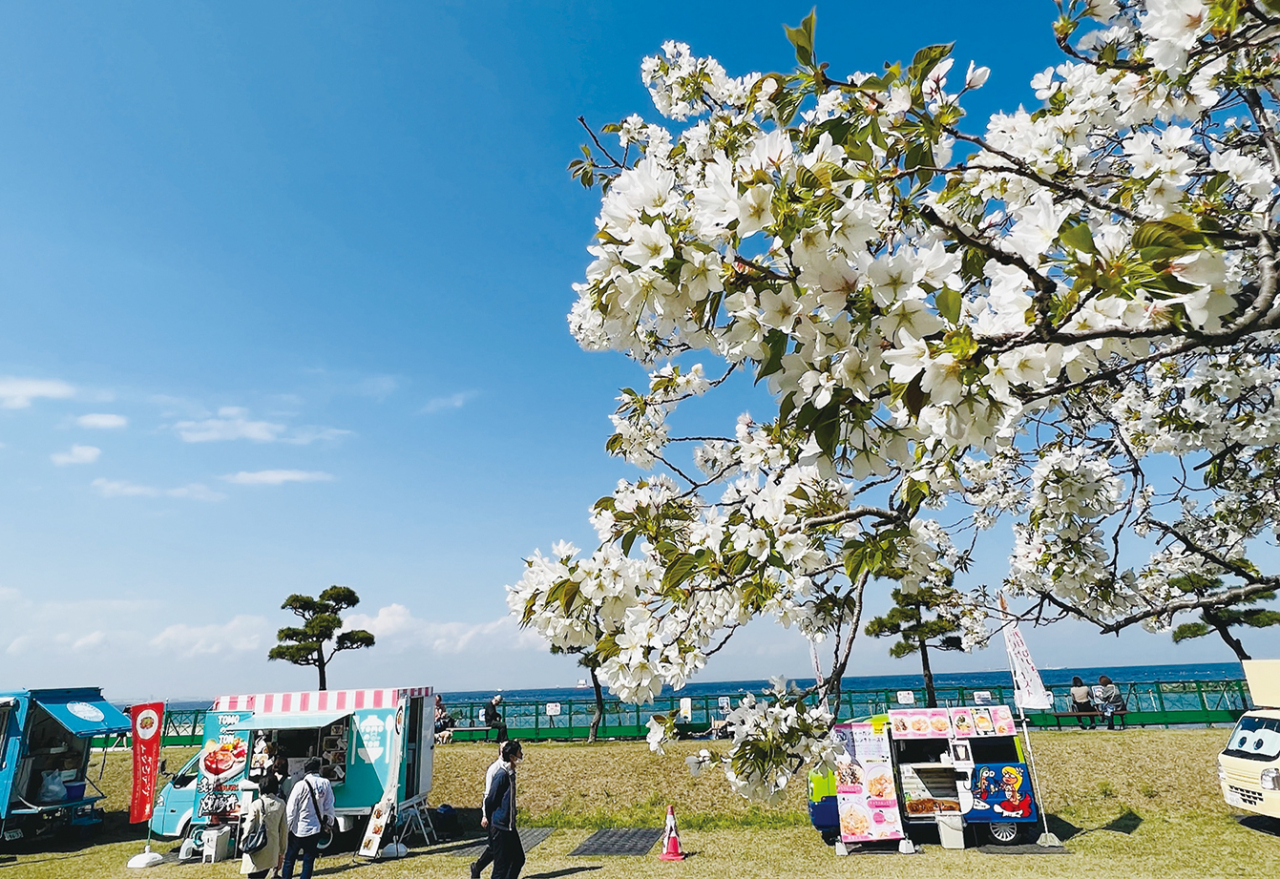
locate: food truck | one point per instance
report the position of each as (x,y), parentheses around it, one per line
(947,767)
(373,745)
(45,738)
(1249,766)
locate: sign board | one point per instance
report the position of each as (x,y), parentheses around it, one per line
(1001,792)
(553,709)
(906,697)
(920,723)
(686,709)
(724,704)
(369,845)
(982,697)
(866,793)
(1028,688)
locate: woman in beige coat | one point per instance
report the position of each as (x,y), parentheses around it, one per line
(268,810)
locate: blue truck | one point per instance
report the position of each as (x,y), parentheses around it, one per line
(45,738)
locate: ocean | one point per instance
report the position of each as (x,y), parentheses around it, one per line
(1053,677)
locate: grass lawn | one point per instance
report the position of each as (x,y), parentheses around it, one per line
(1138,803)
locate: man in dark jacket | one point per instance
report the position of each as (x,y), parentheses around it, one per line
(500,806)
(493,718)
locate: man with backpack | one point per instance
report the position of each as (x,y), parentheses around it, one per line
(308,814)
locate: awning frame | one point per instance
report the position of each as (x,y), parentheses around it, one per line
(292,720)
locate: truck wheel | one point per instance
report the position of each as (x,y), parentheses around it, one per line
(1004,832)
(831,837)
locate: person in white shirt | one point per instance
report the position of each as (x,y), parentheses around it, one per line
(310,802)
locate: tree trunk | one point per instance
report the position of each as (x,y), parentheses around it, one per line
(930,697)
(599,714)
(1224,630)
(320,667)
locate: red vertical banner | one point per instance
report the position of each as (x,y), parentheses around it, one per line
(147,721)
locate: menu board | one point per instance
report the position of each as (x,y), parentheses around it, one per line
(1002,717)
(866,794)
(962,723)
(920,723)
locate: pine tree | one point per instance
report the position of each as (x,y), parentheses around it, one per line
(920,621)
(1222,618)
(321,622)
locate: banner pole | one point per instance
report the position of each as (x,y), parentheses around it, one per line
(1024,679)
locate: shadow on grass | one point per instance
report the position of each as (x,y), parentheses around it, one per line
(567,871)
(1062,828)
(1261,824)
(12,861)
(1127,822)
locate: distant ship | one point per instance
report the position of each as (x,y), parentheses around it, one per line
(582,683)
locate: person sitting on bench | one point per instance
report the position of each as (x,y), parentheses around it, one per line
(493,719)
(1082,703)
(1109,700)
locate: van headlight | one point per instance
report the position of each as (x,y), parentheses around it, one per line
(1270,779)
(1222,773)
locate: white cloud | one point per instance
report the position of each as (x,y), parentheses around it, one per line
(379,387)
(234,423)
(231,424)
(17,393)
(242,634)
(76,455)
(111,488)
(276,477)
(102,421)
(397,629)
(453,401)
(305,436)
(89,641)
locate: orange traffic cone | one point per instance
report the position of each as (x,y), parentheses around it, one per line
(671,839)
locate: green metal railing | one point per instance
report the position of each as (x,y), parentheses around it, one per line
(1160,703)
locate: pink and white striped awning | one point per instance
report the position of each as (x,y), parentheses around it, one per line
(317,700)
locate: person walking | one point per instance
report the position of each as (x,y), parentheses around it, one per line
(267,811)
(486,856)
(1082,703)
(310,804)
(500,806)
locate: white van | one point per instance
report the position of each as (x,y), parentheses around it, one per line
(1249,766)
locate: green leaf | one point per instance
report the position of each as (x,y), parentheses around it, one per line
(1078,237)
(776,344)
(627,540)
(678,571)
(927,59)
(948,302)
(802,38)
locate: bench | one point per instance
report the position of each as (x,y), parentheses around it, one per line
(445,736)
(1058,716)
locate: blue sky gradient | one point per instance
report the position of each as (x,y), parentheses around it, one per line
(341,237)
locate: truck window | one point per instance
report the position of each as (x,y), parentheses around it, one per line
(188,774)
(4,726)
(1255,738)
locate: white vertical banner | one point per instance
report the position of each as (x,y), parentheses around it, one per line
(1028,688)
(369,846)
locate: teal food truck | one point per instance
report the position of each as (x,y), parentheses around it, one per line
(369,742)
(45,738)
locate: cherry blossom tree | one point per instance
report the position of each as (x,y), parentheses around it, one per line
(1063,318)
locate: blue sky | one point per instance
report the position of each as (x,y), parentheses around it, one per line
(334,243)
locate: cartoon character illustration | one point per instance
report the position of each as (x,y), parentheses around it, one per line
(984,787)
(1015,804)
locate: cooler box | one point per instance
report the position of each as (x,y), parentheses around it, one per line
(219,844)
